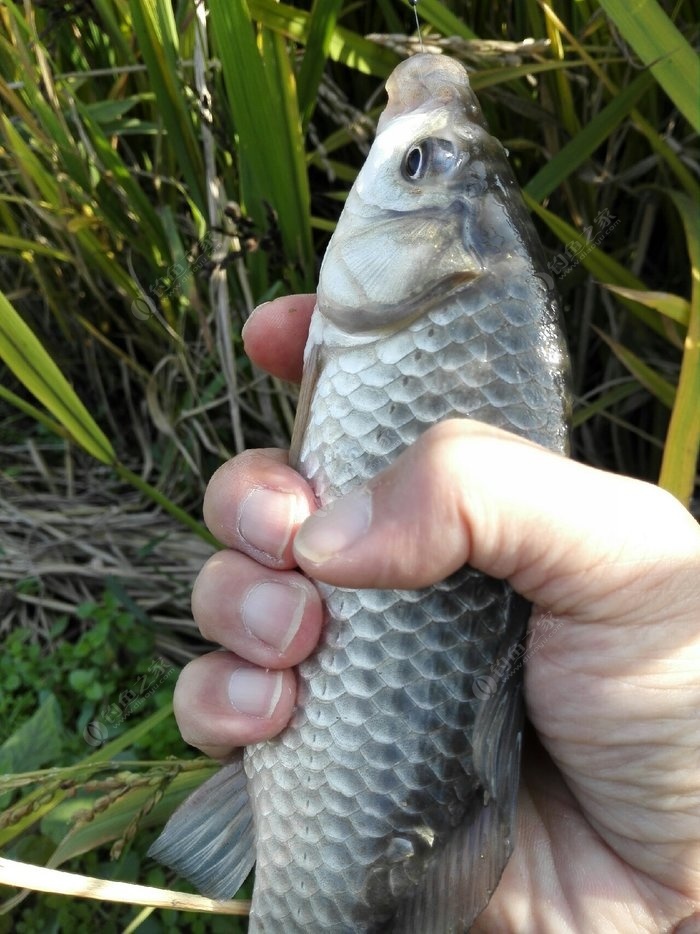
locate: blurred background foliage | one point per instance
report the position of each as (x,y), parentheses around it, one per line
(165,166)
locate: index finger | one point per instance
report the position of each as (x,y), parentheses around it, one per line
(275,335)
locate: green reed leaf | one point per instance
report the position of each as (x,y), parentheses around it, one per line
(584,250)
(270,151)
(659,44)
(157,37)
(438,15)
(664,391)
(32,365)
(321,26)
(680,460)
(671,306)
(587,140)
(345,46)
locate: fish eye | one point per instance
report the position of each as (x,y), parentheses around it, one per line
(413,164)
(430,157)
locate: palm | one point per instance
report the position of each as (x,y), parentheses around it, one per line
(606,791)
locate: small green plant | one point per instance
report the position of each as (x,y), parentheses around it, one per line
(86,663)
(100,667)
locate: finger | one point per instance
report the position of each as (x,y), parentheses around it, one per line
(275,335)
(221,703)
(270,618)
(567,536)
(255,503)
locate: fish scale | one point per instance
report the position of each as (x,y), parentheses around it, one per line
(387,804)
(388,658)
(361,786)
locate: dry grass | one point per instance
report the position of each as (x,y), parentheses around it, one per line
(68,531)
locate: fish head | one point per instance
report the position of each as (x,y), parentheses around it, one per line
(434,209)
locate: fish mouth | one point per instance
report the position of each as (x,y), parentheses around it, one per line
(428,81)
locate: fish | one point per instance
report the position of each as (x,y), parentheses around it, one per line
(388,803)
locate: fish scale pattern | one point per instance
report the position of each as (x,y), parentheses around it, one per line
(378,766)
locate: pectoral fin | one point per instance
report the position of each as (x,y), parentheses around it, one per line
(210,838)
(312,367)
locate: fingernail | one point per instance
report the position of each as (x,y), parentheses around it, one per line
(255,691)
(266,519)
(330,531)
(272,612)
(245,323)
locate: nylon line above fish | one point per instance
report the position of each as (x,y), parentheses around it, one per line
(388,803)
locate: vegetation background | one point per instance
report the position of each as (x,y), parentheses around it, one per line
(165,166)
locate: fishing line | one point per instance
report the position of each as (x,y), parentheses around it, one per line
(414,4)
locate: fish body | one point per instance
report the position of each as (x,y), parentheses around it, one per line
(388,802)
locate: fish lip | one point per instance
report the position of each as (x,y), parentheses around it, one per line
(430,80)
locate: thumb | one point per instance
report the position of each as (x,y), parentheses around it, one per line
(568,537)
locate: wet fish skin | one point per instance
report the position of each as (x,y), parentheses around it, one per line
(388,802)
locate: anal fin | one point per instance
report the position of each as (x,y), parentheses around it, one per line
(210,837)
(460,877)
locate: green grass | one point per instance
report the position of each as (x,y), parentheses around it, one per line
(162,171)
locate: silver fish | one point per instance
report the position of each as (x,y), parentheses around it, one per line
(388,802)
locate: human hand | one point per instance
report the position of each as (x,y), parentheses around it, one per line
(609,815)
